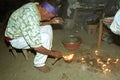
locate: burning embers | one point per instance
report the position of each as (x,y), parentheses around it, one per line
(99,62)
(68,57)
(93,61)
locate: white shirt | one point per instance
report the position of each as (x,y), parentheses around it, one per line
(25,22)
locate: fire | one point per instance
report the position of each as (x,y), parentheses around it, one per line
(96,52)
(68,57)
(108,60)
(83,60)
(105,65)
(116,60)
(99,61)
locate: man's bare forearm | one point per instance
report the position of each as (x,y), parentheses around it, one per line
(43,50)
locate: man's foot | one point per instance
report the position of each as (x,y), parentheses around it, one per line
(44,69)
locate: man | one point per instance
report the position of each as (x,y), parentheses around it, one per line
(29,27)
(115,26)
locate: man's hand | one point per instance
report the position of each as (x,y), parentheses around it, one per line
(56,54)
(57,20)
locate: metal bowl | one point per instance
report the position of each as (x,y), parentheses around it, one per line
(71,42)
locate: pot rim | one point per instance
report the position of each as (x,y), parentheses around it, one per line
(64,41)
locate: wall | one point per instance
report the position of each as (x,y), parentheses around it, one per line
(9,5)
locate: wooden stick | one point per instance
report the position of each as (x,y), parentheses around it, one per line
(100,31)
(56,59)
(100,34)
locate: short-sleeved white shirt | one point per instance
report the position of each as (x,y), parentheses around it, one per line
(25,22)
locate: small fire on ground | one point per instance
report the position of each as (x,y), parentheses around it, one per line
(68,57)
(99,62)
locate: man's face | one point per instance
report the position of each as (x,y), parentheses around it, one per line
(46,15)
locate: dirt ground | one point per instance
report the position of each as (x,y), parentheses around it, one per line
(12,68)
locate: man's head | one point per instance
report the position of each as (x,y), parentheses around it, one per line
(50,8)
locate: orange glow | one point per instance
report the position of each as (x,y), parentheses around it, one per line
(99,61)
(116,61)
(96,52)
(83,60)
(108,60)
(68,57)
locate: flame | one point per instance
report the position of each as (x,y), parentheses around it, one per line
(105,71)
(96,52)
(68,57)
(108,60)
(116,60)
(83,60)
(99,61)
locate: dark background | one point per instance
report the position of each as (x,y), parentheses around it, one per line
(7,6)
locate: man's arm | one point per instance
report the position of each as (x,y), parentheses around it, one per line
(52,53)
(56,20)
